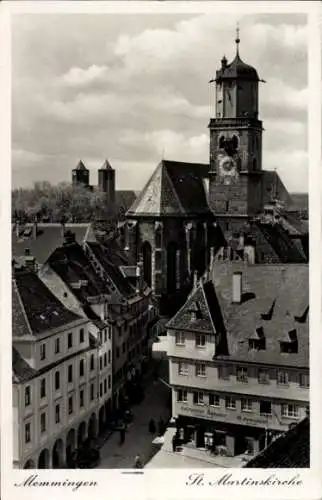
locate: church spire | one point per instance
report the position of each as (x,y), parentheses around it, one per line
(237,40)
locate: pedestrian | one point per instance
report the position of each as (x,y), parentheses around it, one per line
(138,462)
(161,426)
(174,443)
(152,426)
(122,435)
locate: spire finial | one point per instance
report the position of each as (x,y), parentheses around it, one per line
(237,40)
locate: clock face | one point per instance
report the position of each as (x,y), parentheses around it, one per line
(228,172)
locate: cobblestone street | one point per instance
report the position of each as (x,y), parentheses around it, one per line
(138,440)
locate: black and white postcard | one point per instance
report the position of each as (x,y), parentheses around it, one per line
(161,262)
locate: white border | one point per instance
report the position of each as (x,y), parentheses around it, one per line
(162,483)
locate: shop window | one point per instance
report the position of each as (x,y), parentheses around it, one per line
(290,410)
(230,403)
(214,400)
(265,408)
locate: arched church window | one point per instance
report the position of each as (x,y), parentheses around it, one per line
(147,262)
(234,142)
(171,267)
(158,235)
(222,142)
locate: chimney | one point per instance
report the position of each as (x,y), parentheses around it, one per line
(237,288)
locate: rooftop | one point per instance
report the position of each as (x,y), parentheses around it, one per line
(175,188)
(35,310)
(291,450)
(42,239)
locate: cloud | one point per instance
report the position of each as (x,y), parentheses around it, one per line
(107,86)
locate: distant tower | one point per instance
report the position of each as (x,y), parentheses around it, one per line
(106,182)
(80,175)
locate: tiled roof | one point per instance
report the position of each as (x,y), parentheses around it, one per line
(21,370)
(283,245)
(72,265)
(175,188)
(273,187)
(34,308)
(49,237)
(291,450)
(105,257)
(201,312)
(284,285)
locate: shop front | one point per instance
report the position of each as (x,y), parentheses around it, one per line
(221,437)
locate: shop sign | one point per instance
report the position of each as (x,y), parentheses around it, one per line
(205,412)
(254,420)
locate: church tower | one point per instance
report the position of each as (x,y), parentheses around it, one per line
(235,144)
(106,181)
(80,175)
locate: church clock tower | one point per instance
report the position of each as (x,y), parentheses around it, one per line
(235,144)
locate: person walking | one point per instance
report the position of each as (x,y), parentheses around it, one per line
(138,462)
(152,426)
(174,442)
(161,427)
(122,435)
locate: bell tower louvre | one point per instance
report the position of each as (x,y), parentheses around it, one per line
(235,177)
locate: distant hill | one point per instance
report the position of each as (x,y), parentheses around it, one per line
(300,201)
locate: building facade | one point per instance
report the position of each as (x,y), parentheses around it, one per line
(55,400)
(238,355)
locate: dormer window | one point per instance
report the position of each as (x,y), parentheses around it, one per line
(195,312)
(258,342)
(290,345)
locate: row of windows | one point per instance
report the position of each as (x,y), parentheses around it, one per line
(70,375)
(200,339)
(103,336)
(242,374)
(265,407)
(58,343)
(70,405)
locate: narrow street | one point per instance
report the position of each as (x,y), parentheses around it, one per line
(138,440)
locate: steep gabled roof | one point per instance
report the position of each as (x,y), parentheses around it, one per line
(291,450)
(106,166)
(35,309)
(200,313)
(80,166)
(175,188)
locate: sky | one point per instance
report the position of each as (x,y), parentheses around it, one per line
(134,89)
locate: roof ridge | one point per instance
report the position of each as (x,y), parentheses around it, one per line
(22,307)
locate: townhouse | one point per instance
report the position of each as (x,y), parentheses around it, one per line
(54,406)
(239,356)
